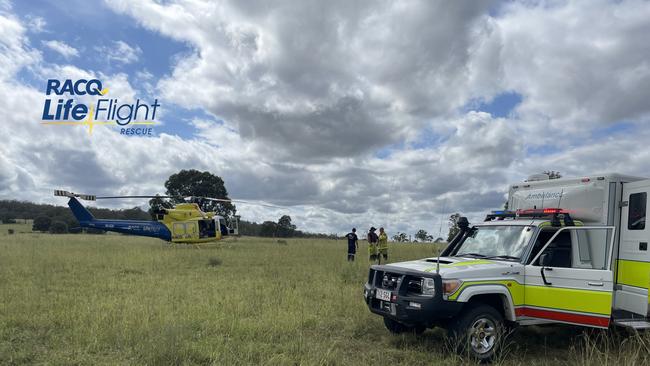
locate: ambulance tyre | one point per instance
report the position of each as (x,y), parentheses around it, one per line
(396,327)
(478,332)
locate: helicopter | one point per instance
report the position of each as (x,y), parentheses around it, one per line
(185,223)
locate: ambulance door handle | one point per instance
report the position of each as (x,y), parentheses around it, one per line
(599,284)
(544,276)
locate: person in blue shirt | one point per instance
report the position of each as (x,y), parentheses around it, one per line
(353,244)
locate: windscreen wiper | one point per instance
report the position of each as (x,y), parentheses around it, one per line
(503,257)
(476,255)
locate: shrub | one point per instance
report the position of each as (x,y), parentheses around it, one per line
(214,261)
(58,227)
(42,223)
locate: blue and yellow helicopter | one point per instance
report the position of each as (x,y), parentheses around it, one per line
(185,223)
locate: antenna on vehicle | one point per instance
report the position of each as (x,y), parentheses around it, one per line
(444,207)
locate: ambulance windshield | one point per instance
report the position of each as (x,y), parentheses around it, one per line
(499,242)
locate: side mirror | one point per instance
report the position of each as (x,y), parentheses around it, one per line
(544,260)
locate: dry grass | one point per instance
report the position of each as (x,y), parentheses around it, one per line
(112,299)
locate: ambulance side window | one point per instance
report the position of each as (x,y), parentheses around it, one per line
(636,213)
(543,237)
(591,248)
(585,248)
(558,251)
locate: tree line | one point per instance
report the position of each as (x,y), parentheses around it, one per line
(283,228)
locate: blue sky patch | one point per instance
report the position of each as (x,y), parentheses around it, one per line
(613,129)
(91,26)
(501,106)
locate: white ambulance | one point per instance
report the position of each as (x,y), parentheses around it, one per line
(566,251)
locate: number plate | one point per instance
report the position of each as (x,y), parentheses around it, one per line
(382,294)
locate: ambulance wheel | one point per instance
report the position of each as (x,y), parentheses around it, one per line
(478,332)
(396,327)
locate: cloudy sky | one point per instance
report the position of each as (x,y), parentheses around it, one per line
(349,113)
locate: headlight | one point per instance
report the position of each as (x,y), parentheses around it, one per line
(428,286)
(450,286)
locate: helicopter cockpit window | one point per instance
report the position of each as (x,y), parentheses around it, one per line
(207,229)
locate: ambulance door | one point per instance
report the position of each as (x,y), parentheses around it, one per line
(570,280)
(633,266)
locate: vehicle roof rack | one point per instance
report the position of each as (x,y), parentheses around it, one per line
(542,213)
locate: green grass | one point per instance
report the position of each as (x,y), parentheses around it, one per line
(113,299)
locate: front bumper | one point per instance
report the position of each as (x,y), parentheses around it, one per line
(404,306)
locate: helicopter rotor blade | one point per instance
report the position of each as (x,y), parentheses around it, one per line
(119,197)
(61,193)
(241,201)
(89,197)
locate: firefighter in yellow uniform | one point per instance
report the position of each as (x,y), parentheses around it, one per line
(383,244)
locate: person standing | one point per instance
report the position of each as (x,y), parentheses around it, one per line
(353,244)
(383,244)
(372,244)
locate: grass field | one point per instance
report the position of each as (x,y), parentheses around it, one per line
(112,299)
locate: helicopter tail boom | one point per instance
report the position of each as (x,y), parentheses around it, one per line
(133,227)
(79,211)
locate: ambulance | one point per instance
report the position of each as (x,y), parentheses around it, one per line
(572,251)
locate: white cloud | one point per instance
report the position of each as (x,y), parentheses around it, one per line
(35,24)
(120,52)
(310,93)
(14,54)
(578,65)
(62,48)
(313,82)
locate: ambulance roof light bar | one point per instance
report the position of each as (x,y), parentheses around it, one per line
(532,213)
(500,215)
(542,212)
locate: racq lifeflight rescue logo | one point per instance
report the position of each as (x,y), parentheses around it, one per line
(133,119)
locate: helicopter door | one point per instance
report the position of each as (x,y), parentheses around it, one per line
(221,222)
(184,231)
(207,229)
(179,231)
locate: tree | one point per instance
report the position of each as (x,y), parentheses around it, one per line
(268,228)
(453,226)
(552,174)
(400,237)
(200,184)
(42,223)
(285,228)
(58,227)
(423,235)
(158,204)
